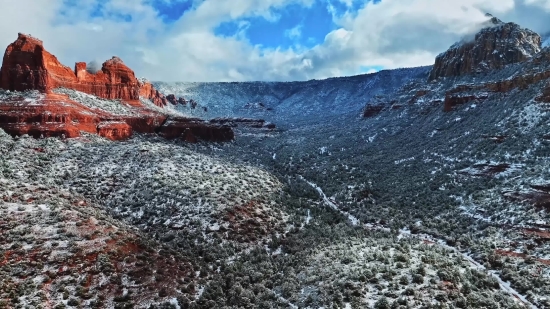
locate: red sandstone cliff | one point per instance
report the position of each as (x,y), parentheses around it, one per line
(28,66)
(147,90)
(493,47)
(56,115)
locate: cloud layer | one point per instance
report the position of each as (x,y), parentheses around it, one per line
(387,33)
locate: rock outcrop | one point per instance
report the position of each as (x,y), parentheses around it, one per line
(244,122)
(502,86)
(538,198)
(372,110)
(28,66)
(30,73)
(193,129)
(496,45)
(458,99)
(114,130)
(147,90)
(172,99)
(49,115)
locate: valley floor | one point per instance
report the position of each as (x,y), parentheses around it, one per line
(273,220)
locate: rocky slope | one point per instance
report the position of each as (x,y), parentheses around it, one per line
(123,104)
(289,103)
(496,45)
(503,58)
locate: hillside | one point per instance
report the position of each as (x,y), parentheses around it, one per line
(291,102)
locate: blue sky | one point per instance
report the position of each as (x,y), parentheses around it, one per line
(293,25)
(237,40)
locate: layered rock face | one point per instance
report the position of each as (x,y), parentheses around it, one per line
(493,47)
(191,129)
(51,115)
(28,66)
(114,130)
(147,90)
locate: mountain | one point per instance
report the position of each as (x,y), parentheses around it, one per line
(291,102)
(496,45)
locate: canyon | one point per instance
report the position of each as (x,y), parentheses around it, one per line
(409,188)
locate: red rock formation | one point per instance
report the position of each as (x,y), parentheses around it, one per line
(494,46)
(372,110)
(56,115)
(112,130)
(539,199)
(50,115)
(418,94)
(23,65)
(521,82)
(485,169)
(147,90)
(27,65)
(172,99)
(457,99)
(114,81)
(147,123)
(193,129)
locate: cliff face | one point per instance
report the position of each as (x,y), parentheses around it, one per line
(28,66)
(493,47)
(147,90)
(48,115)
(23,65)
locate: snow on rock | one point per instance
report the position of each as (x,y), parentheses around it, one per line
(496,45)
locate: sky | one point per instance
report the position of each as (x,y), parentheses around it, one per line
(263,40)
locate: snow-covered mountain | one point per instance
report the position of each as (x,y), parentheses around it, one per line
(285,102)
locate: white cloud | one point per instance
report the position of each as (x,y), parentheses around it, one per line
(545,4)
(348,3)
(294,33)
(392,33)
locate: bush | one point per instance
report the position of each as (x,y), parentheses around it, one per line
(382,303)
(417,278)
